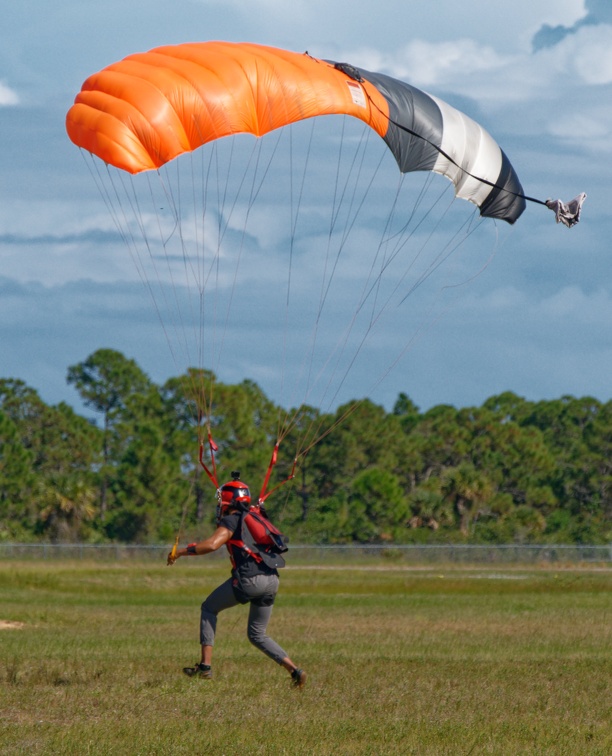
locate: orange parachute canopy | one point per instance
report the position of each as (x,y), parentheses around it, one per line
(149,108)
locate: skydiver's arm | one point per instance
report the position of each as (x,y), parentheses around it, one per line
(220,537)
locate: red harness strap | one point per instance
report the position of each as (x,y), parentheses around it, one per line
(243,547)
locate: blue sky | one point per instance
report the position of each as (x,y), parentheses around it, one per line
(538,75)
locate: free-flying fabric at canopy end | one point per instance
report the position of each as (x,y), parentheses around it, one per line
(567,213)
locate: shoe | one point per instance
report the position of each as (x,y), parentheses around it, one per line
(298,678)
(199,670)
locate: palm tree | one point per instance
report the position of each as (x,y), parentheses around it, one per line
(468,490)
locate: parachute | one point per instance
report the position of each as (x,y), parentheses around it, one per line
(206,236)
(149,108)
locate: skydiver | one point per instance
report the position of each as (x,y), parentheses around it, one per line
(252,582)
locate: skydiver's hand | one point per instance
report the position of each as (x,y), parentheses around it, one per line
(172,557)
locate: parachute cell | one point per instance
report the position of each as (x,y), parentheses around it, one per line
(147,109)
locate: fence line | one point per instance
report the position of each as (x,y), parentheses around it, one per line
(348,553)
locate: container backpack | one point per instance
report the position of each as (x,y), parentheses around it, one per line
(260,539)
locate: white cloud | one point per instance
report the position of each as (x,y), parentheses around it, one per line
(433,64)
(473,69)
(593,61)
(7,95)
(549,91)
(580,128)
(564,312)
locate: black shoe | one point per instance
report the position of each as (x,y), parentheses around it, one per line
(298,678)
(199,670)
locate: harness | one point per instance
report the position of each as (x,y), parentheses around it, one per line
(259,539)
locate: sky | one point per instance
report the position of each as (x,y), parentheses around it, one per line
(538,75)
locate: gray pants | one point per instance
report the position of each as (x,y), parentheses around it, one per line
(260,591)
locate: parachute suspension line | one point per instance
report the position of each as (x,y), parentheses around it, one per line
(217,181)
(286,418)
(401,233)
(400,245)
(210,176)
(377,313)
(195,264)
(335,210)
(382,247)
(374,317)
(486,264)
(315,432)
(351,218)
(340,194)
(295,206)
(212,476)
(192,279)
(366,292)
(314,429)
(116,205)
(449,248)
(181,526)
(434,264)
(204,391)
(349,224)
(164,237)
(370,287)
(203,383)
(256,185)
(212,167)
(427,322)
(403,236)
(200,389)
(116,208)
(174,202)
(386,261)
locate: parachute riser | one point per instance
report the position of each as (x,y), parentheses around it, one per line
(264,493)
(212,475)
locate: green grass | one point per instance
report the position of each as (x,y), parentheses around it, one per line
(400,661)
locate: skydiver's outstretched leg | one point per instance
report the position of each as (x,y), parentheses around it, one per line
(221,598)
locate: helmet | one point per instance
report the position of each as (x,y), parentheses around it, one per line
(233,495)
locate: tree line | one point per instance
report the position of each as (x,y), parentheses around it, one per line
(511,470)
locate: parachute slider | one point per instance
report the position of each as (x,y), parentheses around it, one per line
(350,71)
(567,213)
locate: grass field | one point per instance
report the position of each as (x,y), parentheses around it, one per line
(400,661)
